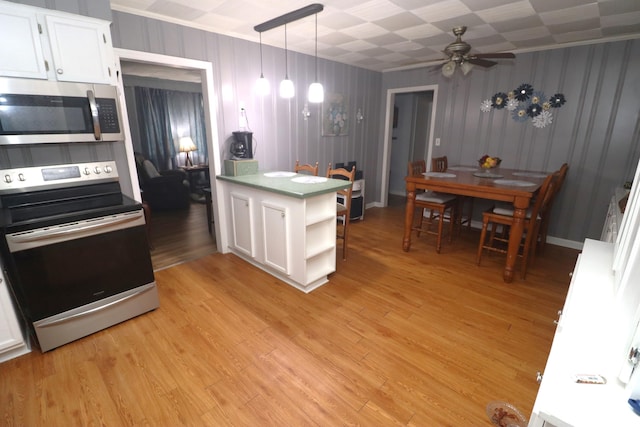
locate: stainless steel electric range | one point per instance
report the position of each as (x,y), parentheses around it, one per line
(74,249)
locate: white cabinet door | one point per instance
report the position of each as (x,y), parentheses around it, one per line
(276,236)
(46,44)
(10,334)
(242,223)
(81,49)
(20,49)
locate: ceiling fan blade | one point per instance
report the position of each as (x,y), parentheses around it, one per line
(481,62)
(508,55)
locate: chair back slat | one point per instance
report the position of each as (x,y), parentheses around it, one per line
(439,164)
(308,168)
(417,167)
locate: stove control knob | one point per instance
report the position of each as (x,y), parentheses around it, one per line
(97,170)
(108,169)
(7,179)
(87,171)
(21,177)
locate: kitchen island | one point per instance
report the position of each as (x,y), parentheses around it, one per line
(285,224)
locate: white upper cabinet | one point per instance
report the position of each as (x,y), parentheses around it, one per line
(20,50)
(53,45)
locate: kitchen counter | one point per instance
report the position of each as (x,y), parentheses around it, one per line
(283,226)
(285,186)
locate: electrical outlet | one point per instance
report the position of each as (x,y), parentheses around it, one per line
(437,142)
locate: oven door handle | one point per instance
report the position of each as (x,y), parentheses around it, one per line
(46,234)
(95,115)
(55,322)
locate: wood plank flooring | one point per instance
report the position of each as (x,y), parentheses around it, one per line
(395,338)
(179,236)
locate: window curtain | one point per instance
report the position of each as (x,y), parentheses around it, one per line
(164,116)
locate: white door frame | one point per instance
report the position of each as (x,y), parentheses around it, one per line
(388,129)
(213,145)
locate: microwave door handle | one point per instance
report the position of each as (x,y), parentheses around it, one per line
(94,115)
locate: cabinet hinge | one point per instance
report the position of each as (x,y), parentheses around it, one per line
(39,28)
(46,65)
(109,70)
(104,38)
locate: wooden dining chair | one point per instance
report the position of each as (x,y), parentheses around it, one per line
(503,217)
(441,208)
(544,225)
(441,164)
(343,209)
(307,168)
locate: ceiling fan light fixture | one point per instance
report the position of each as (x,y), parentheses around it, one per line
(448,69)
(466,67)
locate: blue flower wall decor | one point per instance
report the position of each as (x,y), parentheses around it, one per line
(525,103)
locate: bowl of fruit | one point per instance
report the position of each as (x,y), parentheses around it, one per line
(487,162)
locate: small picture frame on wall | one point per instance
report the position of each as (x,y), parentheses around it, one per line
(335,117)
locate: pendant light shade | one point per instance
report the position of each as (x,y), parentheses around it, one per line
(316,91)
(262,85)
(287,89)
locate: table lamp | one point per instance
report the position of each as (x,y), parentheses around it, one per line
(187,146)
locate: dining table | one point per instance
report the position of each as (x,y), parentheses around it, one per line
(514,186)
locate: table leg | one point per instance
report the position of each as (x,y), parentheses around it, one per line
(515,237)
(408,216)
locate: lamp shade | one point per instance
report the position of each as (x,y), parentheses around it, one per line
(286,89)
(262,86)
(316,93)
(448,69)
(466,67)
(186,144)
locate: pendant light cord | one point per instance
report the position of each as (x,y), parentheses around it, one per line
(286,63)
(261,73)
(316,47)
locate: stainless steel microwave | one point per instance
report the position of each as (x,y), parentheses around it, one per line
(42,111)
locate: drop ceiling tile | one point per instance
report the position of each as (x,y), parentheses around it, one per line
(570,27)
(399,21)
(340,20)
(469,20)
(386,39)
(507,12)
(442,10)
(336,38)
(578,13)
(420,32)
(357,45)
(528,43)
(624,30)
(374,10)
(529,33)
(518,24)
(618,7)
(577,36)
(365,31)
(541,6)
(626,19)
(175,10)
(405,46)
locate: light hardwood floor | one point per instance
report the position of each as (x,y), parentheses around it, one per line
(394,338)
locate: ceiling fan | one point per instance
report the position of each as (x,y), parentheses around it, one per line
(458,55)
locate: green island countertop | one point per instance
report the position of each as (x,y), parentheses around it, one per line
(285,183)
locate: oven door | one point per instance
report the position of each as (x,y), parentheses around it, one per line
(65,275)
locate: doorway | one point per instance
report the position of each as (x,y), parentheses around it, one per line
(165,65)
(409,127)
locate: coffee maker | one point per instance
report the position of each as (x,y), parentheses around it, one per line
(242,145)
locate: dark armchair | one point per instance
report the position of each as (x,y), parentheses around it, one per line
(167,190)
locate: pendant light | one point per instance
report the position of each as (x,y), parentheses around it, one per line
(262,83)
(286,86)
(316,91)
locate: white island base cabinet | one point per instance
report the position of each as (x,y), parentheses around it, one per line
(294,239)
(12,343)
